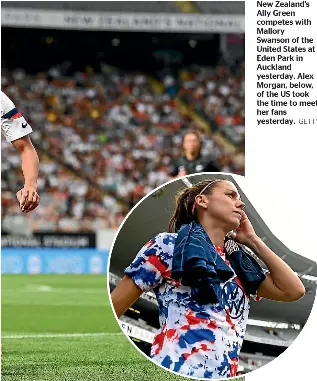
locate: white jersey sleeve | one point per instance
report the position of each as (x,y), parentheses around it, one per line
(13,125)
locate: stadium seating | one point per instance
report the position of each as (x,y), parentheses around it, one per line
(217,95)
(108,139)
(279,336)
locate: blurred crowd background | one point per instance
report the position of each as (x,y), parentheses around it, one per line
(109,110)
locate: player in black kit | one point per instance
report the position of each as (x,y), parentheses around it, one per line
(192,160)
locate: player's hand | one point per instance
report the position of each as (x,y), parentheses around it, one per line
(28,198)
(245,233)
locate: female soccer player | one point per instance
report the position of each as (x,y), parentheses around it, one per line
(203,281)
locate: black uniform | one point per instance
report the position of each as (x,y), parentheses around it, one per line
(200,164)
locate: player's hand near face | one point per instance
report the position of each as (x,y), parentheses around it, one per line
(28,198)
(281,283)
(245,232)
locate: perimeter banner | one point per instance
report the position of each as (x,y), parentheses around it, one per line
(50,239)
(137,22)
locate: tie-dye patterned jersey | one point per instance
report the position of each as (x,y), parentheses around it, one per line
(194,339)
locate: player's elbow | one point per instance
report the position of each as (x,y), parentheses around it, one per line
(300,293)
(26,149)
(23,144)
(296,293)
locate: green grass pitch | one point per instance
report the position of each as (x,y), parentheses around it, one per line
(61,328)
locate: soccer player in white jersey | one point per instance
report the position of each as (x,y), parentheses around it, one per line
(16,130)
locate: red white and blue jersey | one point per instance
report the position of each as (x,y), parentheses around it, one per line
(13,125)
(194,339)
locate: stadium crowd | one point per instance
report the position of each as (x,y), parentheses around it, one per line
(105,140)
(218,95)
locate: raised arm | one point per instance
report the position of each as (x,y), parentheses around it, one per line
(281,283)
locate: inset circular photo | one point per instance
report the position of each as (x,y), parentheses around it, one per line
(201,285)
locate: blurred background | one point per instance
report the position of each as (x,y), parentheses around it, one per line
(109,88)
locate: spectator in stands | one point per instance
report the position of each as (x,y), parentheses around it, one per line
(203,281)
(192,160)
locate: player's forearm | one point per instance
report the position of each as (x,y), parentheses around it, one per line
(30,166)
(282,275)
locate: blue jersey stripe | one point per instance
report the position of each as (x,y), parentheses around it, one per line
(10,114)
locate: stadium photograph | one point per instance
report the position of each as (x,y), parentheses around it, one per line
(101,103)
(170,292)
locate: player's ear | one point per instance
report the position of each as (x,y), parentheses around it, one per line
(202,201)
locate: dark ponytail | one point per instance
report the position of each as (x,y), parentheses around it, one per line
(185,200)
